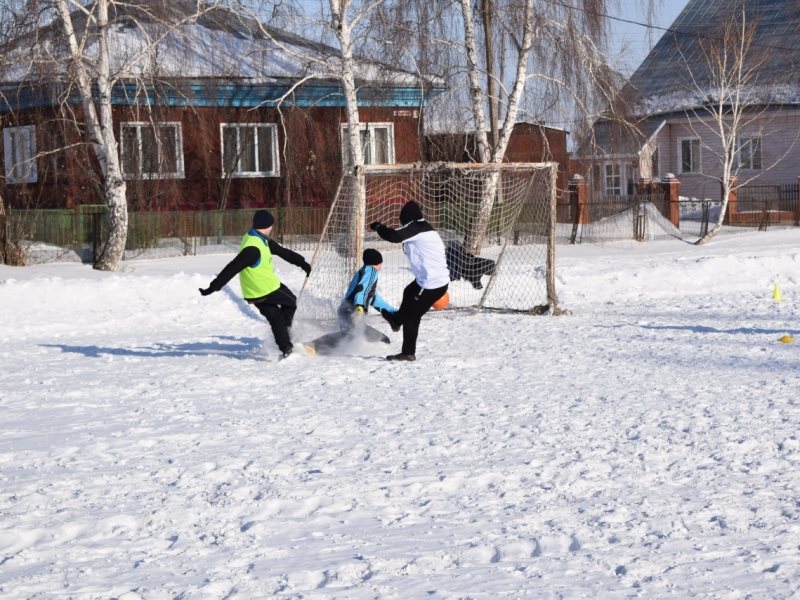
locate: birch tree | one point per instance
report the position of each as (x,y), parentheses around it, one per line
(340,23)
(504,60)
(73,46)
(99,122)
(734,103)
(555,55)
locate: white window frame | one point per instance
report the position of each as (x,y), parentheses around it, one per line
(754,146)
(619,176)
(273,142)
(369,127)
(19,154)
(697,163)
(139,126)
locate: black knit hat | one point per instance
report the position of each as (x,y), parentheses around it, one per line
(372,257)
(411,211)
(263,219)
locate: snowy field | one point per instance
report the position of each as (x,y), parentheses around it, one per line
(646,446)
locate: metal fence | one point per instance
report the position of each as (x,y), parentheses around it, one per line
(610,218)
(38,236)
(645,217)
(764,206)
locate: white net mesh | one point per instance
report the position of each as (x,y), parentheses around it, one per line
(497,223)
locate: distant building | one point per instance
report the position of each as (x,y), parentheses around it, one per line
(663,131)
(224,112)
(529,142)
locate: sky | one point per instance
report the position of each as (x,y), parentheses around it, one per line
(630,40)
(645,445)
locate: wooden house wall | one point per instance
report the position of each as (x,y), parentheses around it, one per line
(532,143)
(309,141)
(528,143)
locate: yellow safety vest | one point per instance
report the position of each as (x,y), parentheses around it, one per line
(260,279)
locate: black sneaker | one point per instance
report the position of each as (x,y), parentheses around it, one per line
(401,356)
(391,320)
(286,354)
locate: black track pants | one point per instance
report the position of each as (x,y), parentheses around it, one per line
(279,308)
(416,302)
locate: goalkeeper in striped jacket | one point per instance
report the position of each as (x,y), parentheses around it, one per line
(362,292)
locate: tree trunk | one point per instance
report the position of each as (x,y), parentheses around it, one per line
(114,247)
(496,152)
(101,132)
(487,11)
(723,209)
(343,32)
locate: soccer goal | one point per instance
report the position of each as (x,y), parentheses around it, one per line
(497,222)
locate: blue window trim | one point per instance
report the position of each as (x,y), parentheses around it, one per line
(220,95)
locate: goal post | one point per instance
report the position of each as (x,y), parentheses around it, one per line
(497,221)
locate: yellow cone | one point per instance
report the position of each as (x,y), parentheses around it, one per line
(786,339)
(776,294)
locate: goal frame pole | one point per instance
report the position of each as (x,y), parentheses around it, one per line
(552,297)
(322,233)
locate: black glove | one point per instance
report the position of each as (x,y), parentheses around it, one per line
(207,291)
(307,268)
(374,225)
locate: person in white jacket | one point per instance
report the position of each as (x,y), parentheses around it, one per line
(426,259)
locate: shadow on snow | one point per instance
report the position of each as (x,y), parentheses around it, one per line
(246,348)
(706,329)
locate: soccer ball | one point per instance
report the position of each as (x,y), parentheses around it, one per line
(442,302)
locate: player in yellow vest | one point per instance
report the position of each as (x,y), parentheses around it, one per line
(259,282)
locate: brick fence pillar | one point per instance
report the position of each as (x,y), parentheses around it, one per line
(671,188)
(797,204)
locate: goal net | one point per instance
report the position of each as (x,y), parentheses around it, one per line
(497,223)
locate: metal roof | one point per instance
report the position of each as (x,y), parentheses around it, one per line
(251,64)
(676,68)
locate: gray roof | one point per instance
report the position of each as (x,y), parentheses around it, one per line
(674,73)
(220,43)
(619,138)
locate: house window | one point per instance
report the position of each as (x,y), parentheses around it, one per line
(613,179)
(748,153)
(377,143)
(690,155)
(151,150)
(19,151)
(250,150)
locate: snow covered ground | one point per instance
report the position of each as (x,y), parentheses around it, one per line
(645,446)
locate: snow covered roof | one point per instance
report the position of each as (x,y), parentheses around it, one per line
(167,40)
(675,75)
